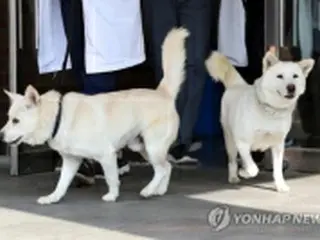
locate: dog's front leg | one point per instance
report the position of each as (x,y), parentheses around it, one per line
(110,169)
(70,166)
(277,157)
(249,168)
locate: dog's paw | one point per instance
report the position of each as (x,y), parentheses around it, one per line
(249,172)
(161,190)
(110,197)
(46,200)
(282,187)
(147,192)
(234,180)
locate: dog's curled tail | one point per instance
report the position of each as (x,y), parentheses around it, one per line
(220,69)
(173,61)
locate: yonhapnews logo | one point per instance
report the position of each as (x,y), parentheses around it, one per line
(219,218)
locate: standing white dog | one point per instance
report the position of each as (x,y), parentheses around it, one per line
(96,127)
(259,116)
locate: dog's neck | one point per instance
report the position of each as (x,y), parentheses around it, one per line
(49,118)
(265,106)
(58,118)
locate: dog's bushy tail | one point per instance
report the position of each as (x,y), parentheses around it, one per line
(173,61)
(221,70)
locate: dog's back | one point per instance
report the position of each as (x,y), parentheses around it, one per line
(113,118)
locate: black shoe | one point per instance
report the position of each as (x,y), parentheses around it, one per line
(85,174)
(179,155)
(179,151)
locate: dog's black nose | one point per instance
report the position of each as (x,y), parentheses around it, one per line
(1,136)
(291,88)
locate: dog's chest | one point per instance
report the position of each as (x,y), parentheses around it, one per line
(266,139)
(80,149)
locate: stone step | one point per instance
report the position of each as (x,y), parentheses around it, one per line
(304,159)
(301,159)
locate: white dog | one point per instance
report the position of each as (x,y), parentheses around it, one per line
(259,116)
(97,127)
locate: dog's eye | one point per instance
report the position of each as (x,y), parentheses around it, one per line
(295,76)
(15,121)
(280,76)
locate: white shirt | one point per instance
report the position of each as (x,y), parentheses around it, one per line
(232,32)
(113,35)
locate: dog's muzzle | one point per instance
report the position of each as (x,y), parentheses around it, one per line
(17,140)
(289,96)
(291,90)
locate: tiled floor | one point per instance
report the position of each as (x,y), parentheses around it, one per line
(181,214)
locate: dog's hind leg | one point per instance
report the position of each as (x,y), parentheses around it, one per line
(70,166)
(157,143)
(110,169)
(249,168)
(277,157)
(164,183)
(162,171)
(232,159)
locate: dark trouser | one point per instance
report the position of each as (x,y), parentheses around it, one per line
(160,17)
(74,26)
(255,49)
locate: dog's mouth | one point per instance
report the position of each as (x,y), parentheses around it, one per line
(288,96)
(16,141)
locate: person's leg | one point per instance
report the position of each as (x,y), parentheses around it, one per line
(159,17)
(90,83)
(73,24)
(99,83)
(195,15)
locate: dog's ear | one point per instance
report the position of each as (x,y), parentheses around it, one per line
(306,66)
(269,60)
(12,96)
(32,95)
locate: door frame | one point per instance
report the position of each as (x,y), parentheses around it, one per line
(274,23)
(13,79)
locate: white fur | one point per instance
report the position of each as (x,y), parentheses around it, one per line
(259,116)
(97,127)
